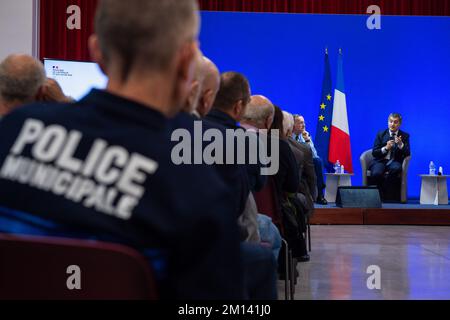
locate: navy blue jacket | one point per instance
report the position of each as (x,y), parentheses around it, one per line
(234,176)
(256,180)
(381,141)
(103,167)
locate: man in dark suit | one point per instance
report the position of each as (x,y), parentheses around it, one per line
(391,147)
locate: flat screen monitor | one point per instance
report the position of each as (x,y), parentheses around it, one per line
(76,78)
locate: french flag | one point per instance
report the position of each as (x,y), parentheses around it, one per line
(340,147)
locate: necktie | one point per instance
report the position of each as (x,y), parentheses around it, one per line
(393,150)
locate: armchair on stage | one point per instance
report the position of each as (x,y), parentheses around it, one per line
(366,158)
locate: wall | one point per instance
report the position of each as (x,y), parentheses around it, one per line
(18,27)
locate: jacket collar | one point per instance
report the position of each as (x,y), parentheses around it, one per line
(124,108)
(222,118)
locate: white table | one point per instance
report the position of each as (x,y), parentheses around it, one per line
(434,190)
(334,181)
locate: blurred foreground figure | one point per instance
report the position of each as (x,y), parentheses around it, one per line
(23,81)
(101,168)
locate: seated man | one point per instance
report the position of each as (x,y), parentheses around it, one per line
(102,168)
(302,136)
(304,156)
(23,81)
(391,147)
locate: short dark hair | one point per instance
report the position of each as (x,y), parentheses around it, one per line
(234,86)
(396,116)
(278,122)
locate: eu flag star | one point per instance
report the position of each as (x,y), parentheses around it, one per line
(325,129)
(329,97)
(321,118)
(323,106)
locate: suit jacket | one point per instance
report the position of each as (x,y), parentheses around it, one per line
(382,139)
(256,180)
(287,179)
(308,180)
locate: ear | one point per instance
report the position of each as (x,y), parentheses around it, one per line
(96,52)
(238,110)
(269,122)
(208,100)
(193,96)
(187,61)
(202,106)
(40,95)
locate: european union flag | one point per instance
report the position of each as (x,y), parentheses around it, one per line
(324,121)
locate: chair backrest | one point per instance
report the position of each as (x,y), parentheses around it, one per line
(365,159)
(45,268)
(268,204)
(405,168)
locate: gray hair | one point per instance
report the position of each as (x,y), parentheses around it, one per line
(288,122)
(146,33)
(396,115)
(258,110)
(21,77)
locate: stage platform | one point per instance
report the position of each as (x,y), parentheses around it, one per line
(411,213)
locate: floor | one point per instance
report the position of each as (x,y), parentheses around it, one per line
(414,263)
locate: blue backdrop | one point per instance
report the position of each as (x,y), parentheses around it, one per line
(404,67)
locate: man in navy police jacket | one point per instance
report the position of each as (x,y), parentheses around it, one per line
(102,168)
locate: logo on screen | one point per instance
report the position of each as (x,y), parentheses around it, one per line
(58,72)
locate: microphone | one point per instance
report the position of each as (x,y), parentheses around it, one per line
(394,135)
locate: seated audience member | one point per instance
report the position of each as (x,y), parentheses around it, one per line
(260,285)
(391,147)
(102,167)
(303,154)
(231,174)
(287,183)
(232,99)
(302,136)
(23,81)
(259,116)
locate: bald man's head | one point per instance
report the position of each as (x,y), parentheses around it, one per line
(260,112)
(210,87)
(21,77)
